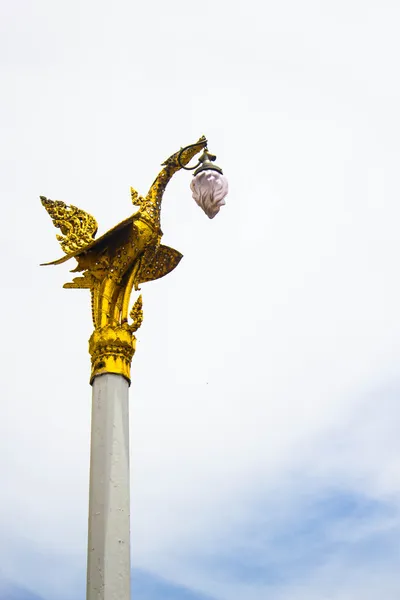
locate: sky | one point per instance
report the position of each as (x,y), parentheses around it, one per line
(264,405)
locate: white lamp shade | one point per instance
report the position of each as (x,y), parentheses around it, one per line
(209,189)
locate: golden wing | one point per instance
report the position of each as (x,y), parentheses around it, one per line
(164,261)
(76,225)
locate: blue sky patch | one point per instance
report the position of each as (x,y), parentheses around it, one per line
(277,551)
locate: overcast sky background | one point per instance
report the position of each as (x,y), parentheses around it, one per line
(265,394)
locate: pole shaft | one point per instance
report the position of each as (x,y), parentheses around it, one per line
(108,567)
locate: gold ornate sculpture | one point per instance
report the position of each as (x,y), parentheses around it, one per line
(117,262)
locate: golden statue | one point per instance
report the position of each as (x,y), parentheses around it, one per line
(118,261)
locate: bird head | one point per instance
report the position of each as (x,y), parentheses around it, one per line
(183,157)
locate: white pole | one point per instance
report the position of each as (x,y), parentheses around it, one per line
(108,567)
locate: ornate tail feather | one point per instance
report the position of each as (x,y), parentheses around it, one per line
(77,226)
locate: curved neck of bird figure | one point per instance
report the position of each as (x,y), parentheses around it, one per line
(151,206)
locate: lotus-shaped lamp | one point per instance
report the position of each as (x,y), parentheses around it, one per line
(209,186)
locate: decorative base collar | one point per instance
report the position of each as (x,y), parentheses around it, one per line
(112,350)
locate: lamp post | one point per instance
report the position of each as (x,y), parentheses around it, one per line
(111,266)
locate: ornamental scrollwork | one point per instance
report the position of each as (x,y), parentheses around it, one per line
(136,314)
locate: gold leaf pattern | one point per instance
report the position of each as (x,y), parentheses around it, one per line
(76,225)
(164,261)
(136,199)
(136,314)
